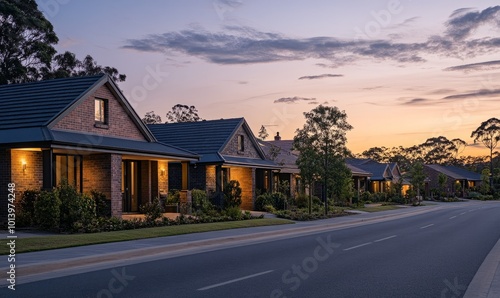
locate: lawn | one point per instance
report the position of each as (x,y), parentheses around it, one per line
(62,241)
(379,208)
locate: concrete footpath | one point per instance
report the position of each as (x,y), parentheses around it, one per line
(61,262)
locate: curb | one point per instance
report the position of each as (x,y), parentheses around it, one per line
(486,282)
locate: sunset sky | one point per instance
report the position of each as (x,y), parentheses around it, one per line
(403,71)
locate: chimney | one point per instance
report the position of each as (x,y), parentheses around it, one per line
(277,137)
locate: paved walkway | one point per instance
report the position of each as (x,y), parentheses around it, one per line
(86,258)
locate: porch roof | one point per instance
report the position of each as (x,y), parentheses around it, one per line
(41,136)
(249,162)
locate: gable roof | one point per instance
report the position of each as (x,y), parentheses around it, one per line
(37,103)
(285,158)
(202,137)
(43,103)
(379,171)
(208,138)
(456,172)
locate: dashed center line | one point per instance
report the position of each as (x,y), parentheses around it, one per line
(386,238)
(364,244)
(452,217)
(462,213)
(425,227)
(234,280)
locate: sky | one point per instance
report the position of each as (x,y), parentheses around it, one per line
(402,70)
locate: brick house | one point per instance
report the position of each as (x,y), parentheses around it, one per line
(228,150)
(458,180)
(382,175)
(84,131)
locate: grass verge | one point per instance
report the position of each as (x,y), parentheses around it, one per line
(62,241)
(379,208)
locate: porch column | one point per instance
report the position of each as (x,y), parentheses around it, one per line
(48,169)
(185,175)
(116,185)
(271,181)
(218,178)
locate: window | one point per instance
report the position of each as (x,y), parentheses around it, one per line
(101,111)
(241,143)
(68,168)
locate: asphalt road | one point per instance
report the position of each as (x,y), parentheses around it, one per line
(435,254)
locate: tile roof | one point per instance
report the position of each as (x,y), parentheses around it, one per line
(285,158)
(378,170)
(202,137)
(36,104)
(456,172)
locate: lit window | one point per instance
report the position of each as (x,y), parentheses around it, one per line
(101,111)
(69,168)
(241,143)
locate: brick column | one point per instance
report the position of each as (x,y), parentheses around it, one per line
(116,185)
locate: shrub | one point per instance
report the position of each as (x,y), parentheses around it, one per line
(74,206)
(152,210)
(232,194)
(269,208)
(102,205)
(234,212)
(173,197)
(26,213)
(302,201)
(200,200)
(47,210)
(473,195)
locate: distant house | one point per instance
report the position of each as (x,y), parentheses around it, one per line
(81,130)
(228,151)
(383,175)
(458,179)
(283,155)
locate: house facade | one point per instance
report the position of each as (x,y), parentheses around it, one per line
(81,130)
(228,150)
(458,180)
(383,175)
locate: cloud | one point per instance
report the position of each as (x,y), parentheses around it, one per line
(294,99)
(322,76)
(416,101)
(246,45)
(441,91)
(476,93)
(481,66)
(373,88)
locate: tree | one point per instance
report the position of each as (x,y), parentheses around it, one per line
(67,65)
(341,184)
(442,180)
(26,41)
(323,138)
(151,118)
(308,163)
(183,113)
(27,50)
(263,133)
(488,133)
(439,150)
(485,184)
(417,178)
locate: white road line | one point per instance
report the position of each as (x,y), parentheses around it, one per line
(425,227)
(462,213)
(452,217)
(386,238)
(364,244)
(234,280)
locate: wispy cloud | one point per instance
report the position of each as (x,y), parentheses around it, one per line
(416,101)
(322,76)
(373,88)
(481,66)
(245,45)
(476,93)
(294,99)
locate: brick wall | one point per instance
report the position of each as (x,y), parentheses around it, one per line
(232,146)
(245,177)
(32,177)
(5,179)
(81,119)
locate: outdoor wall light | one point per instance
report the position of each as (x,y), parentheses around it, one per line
(162,172)
(24,166)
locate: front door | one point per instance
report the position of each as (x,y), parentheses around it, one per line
(131,185)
